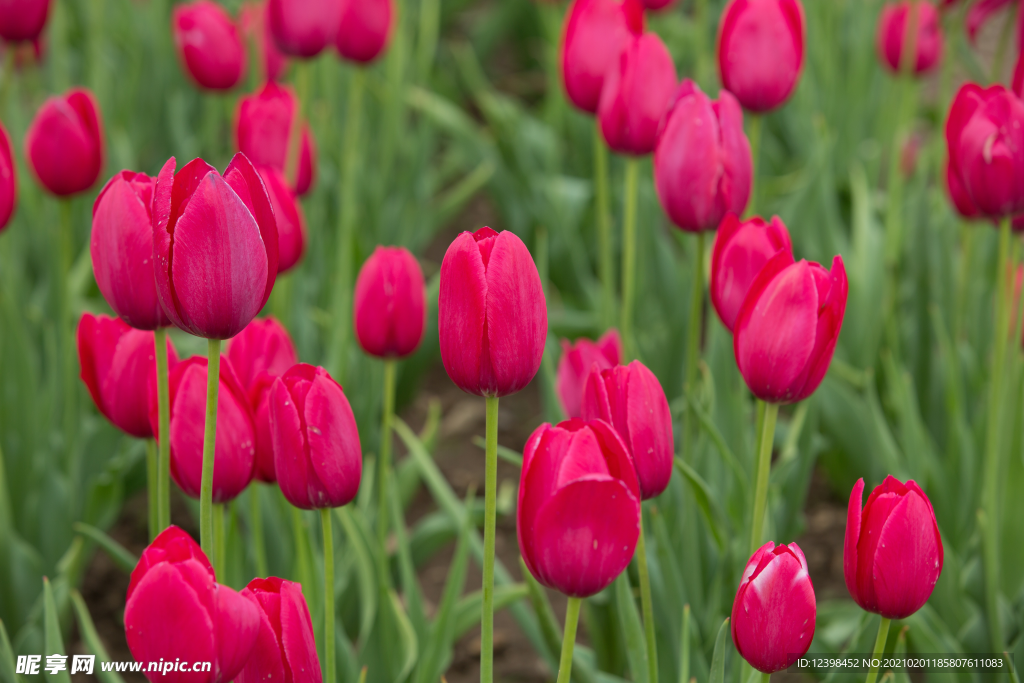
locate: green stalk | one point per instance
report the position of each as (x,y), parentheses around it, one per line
(765,677)
(325,519)
(764,468)
(963,283)
(693,343)
(256,529)
(700,20)
(384,469)
(209,440)
(163,454)
(152,489)
(883,633)
(572,617)
(430,21)
(647,605)
(219,542)
(629,257)
(684,647)
(606,264)
(490,519)
(755,154)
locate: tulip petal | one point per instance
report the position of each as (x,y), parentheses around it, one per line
(291,451)
(908,558)
(334,450)
(266,661)
(649,425)
(243,178)
(297,636)
(853,524)
(830,322)
(462,312)
(237,624)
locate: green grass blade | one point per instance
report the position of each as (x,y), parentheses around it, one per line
(118,553)
(632,628)
(92,639)
(7,671)
(718,658)
(407,636)
(53,643)
(365,572)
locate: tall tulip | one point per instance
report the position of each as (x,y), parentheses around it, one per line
(595,32)
(302,28)
(209,45)
(365,29)
(892,28)
(8,179)
(389,307)
(291,224)
(285,649)
(263,128)
(575,364)
(22,20)
(64,143)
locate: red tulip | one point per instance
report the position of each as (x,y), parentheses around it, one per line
(492,318)
(364,29)
(317,454)
(739,254)
(774,611)
(892,556)
(285,651)
(64,144)
(761,51)
(636,92)
(630,398)
(702,163)
(263,130)
(578,517)
(118,367)
(892,27)
(256,26)
(208,44)
(215,243)
(8,179)
(291,224)
(22,19)
(177,612)
(302,28)
(787,329)
(575,363)
(595,32)
(389,311)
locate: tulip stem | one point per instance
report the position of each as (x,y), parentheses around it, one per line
(755,155)
(325,518)
(256,529)
(693,343)
(765,678)
(647,605)
(219,553)
(629,257)
(764,468)
(152,489)
(572,617)
(684,647)
(883,634)
(163,454)
(209,441)
(385,451)
(490,518)
(606,264)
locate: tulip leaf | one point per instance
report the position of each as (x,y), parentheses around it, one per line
(53,643)
(716,437)
(7,670)
(467,611)
(1014,678)
(506,454)
(406,569)
(632,628)
(582,671)
(718,658)
(92,639)
(365,572)
(705,500)
(117,552)
(407,634)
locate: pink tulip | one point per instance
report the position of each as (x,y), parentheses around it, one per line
(317,455)
(595,32)
(892,556)
(958,194)
(256,26)
(389,309)
(285,651)
(630,399)
(291,224)
(176,611)
(892,27)
(216,246)
(8,179)
(739,254)
(365,29)
(263,128)
(302,28)
(787,329)
(22,20)
(209,44)
(774,611)
(578,517)
(64,144)
(702,162)
(761,51)
(574,367)
(492,317)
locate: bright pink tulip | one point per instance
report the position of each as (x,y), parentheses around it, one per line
(256,26)
(630,399)
(892,27)
(773,615)
(761,51)
(8,179)
(594,33)
(216,246)
(302,28)
(118,367)
(702,162)
(364,29)
(637,89)
(389,309)
(578,517)
(291,224)
(492,318)
(893,556)
(575,363)
(176,611)
(64,144)
(317,455)
(285,651)
(263,124)
(787,329)
(985,139)
(209,44)
(22,19)
(739,254)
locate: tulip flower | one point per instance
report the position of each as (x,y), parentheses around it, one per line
(285,650)
(774,611)
(8,179)
(22,20)
(216,246)
(702,161)
(761,51)
(364,29)
(256,27)
(595,32)
(209,45)
(64,143)
(263,127)
(176,611)
(575,364)
(892,27)
(291,224)
(389,310)
(740,252)
(302,28)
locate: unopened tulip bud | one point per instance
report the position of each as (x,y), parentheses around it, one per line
(291,224)
(209,44)
(364,29)
(22,20)
(64,144)
(389,308)
(892,29)
(285,650)
(263,131)
(595,32)
(575,364)
(302,28)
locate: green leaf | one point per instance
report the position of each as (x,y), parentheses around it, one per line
(7,670)
(506,454)
(467,611)
(407,634)
(365,572)
(406,569)
(704,497)
(718,658)
(92,639)
(118,553)
(53,643)
(632,628)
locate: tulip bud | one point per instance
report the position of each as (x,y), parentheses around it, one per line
(8,179)
(291,224)
(389,309)
(761,51)
(317,455)
(256,26)
(702,162)
(787,328)
(892,28)
(285,651)
(364,29)
(636,92)
(595,32)
(774,611)
(263,127)
(64,144)
(575,364)
(302,28)
(739,254)
(223,236)
(176,610)
(578,517)
(118,367)
(892,556)
(208,44)
(22,19)
(630,399)
(492,318)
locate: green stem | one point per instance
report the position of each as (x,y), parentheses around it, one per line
(209,442)
(765,677)
(684,647)
(430,21)
(764,468)
(384,469)
(325,519)
(647,605)
(963,284)
(883,634)
(700,20)
(152,489)
(303,567)
(629,257)
(572,617)
(693,344)
(490,519)
(606,264)
(256,529)
(163,426)
(755,155)
(219,542)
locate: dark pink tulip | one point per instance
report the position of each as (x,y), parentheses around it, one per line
(176,611)
(64,144)
(263,128)
(302,28)
(702,163)
(22,19)
(209,44)
(216,246)
(492,318)
(285,651)
(761,51)
(773,615)
(575,363)
(578,517)
(892,27)
(637,90)
(317,455)
(364,29)
(595,32)
(291,224)
(787,329)
(256,26)
(958,195)
(630,399)
(892,557)
(118,367)
(739,254)
(8,179)
(389,308)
